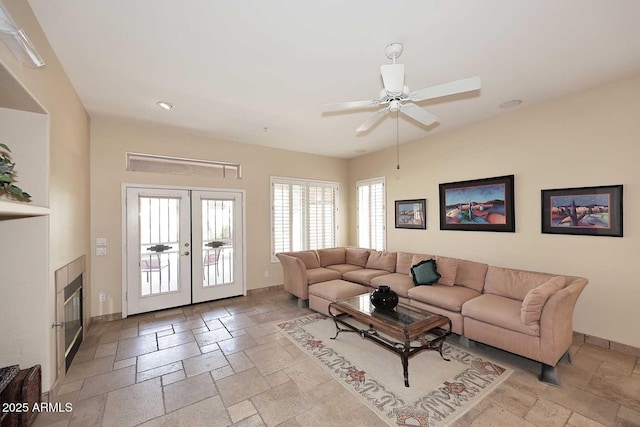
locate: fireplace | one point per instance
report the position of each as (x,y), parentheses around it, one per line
(72,320)
(72,313)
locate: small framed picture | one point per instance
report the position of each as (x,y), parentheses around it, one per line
(478,205)
(411,213)
(593,211)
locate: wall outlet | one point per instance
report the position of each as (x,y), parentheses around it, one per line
(266,273)
(102,297)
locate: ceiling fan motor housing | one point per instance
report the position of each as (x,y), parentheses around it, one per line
(393,78)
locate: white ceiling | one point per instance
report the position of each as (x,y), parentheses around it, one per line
(233,68)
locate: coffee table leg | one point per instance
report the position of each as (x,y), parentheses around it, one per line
(405,359)
(442,342)
(335,321)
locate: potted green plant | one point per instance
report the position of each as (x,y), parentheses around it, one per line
(8,176)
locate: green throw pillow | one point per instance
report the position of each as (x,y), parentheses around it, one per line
(425,272)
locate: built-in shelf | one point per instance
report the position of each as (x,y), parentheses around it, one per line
(21,210)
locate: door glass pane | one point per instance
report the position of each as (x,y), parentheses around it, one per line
(217,242)
(159,245)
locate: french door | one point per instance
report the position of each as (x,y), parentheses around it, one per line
(183,247)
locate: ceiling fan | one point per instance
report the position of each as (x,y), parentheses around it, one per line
(397,97)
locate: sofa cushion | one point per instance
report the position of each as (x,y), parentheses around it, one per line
(398,282)
(380,260)
(334,290)
(421,257)
(343,268)
(404,261)
(356,256)
(363,276)
(471,274)
(448,297)
(537,297)
(425,272)
(309,258)
(316,275)
(332,256)
(498,311)
(510,283)
(447,268)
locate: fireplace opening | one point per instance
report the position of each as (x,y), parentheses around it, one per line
(72,319)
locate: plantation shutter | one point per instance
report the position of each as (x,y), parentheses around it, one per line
(371,213)
(303,214)
(322,202)
(281,217)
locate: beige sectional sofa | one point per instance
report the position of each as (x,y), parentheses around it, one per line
(523,312)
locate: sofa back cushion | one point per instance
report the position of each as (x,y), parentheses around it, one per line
(381,260)
(471,274)
(421,257)
(536,298)
(332,256)
(309,258)
(357,256)
(447,268)
(514,284)
(404,261)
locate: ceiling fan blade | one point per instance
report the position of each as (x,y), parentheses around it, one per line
(418,114)
(393,77)
(373,120)
(351,105)
(445,89)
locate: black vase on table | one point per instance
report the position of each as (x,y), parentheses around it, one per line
(384,298)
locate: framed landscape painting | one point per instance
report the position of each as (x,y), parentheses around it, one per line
(594,211)
(478,205)
(411,214)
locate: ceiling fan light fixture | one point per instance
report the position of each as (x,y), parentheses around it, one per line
(165,105)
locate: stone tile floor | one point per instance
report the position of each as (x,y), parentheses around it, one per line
(222,363)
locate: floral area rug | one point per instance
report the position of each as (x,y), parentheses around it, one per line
(440,392)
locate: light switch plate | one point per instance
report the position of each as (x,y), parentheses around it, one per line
(101,251)
(101,241)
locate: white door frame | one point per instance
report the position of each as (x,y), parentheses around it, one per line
(123,197)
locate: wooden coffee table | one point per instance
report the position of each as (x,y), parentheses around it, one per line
(404,323)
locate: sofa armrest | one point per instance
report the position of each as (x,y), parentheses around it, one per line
(556,322)
(296,281)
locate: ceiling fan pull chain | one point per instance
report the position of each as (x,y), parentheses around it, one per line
(397,141)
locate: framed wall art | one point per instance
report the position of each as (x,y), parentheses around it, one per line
(593,211)
(411,213)
(478,205)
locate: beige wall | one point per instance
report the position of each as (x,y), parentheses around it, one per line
(112,138)
(587,139)
(68,162)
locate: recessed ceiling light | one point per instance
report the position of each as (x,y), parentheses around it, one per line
(510,104)
(165,105)
(360,151)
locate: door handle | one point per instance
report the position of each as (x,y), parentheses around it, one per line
(158,248)
(186,253)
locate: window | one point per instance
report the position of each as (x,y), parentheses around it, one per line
(138,162)
(303,214)
(370,210)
